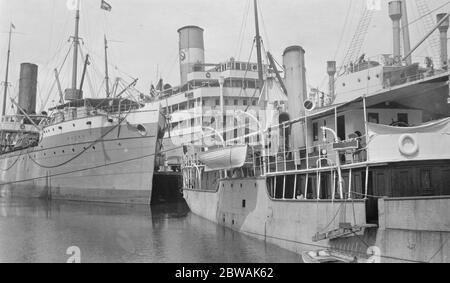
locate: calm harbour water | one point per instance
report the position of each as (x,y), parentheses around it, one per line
(39,231)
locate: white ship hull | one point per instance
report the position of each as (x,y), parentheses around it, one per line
(88,159)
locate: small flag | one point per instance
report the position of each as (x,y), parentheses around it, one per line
(160,85)
(13,26)
(153,92)
(105,6)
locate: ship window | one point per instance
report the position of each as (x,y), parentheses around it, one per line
(244,102)
(341,127)
(402,117)
(236,83)
(316,131)
(373,118)
(203,102)
(254,102)
(247,130)
(243,203)
(73,149)
(217,102)
(343,84)
(251,84)
(226,101)
(238,66)
(236,102)
(426,182)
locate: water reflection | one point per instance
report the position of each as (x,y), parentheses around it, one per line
(41,231)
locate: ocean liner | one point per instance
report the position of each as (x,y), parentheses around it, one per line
(85,149)
(361,174)
(210,94)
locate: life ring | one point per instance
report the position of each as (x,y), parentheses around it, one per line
(22,126)
(208,75)
(182,56)
(408,151)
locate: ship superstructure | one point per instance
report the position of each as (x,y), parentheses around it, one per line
(211,96)
(361,171)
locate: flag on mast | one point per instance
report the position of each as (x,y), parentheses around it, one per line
(105,6)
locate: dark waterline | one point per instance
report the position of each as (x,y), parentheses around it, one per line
(34,230)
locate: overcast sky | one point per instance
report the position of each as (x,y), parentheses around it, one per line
(144,39)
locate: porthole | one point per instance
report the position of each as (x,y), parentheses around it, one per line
(63,151)
(359,80)
(368,78)
(93,147)
(343,84)
(73,149)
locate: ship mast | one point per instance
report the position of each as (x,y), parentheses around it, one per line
(74,93)
(76,42)
(258,47)
(106,67)
(7,71)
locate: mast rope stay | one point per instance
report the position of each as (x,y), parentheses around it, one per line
(54,82)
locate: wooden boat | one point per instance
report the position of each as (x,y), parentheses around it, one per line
(327,256)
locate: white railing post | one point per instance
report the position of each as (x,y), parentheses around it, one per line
(306,186)
(318,185)
(350,184)
(295,187)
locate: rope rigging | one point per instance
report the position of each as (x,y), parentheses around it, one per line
(14,163)
(54,82)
